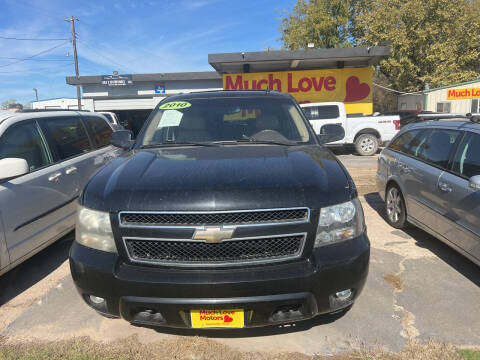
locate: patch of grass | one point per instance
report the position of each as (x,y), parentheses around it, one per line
(197,348)
(470,354)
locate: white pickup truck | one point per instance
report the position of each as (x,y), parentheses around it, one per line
(366,133)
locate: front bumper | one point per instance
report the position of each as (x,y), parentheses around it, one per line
(270,294)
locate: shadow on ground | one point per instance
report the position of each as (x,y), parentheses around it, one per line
(427,241)
(27,274)
(345,150)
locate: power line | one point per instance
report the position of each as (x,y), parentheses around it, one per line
(105,57)
(37,69)
(38,54)
(397,91)
(14,58)
(29,39)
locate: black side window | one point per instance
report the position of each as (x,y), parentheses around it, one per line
(322,112)
(66,136)
(25,142)
(99,130)
(403,142)
(311,112)
(467,159)
(437,149)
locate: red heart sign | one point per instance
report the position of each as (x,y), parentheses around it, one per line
(355,90)
(227,318)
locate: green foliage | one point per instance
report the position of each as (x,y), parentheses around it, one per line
(323,22)
(435,40)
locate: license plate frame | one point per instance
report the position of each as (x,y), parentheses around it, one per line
(221,318)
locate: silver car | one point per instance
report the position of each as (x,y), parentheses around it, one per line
(429,176)
(45,160)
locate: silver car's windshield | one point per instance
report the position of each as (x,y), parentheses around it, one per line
(226,119)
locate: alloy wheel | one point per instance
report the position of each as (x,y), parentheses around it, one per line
(394,205)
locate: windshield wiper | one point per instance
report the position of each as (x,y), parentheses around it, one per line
(250,141)
(170,143)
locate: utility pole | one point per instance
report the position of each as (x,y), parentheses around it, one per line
(72,20)
(36,93)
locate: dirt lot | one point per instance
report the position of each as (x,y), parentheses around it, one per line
(418,290)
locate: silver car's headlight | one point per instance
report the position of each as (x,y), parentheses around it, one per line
(339,223)
(93,229)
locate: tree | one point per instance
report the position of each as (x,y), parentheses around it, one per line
(326,23)
(436,40)
(431,40)
(5,104)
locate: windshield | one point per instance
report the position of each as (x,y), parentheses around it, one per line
(226,119)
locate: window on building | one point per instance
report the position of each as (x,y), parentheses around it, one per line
(475,106)
(443,107)
(403,106)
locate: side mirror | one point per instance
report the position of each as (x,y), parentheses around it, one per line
(12,167)
(122,139)
(117,127)
(474,182)
(330,133)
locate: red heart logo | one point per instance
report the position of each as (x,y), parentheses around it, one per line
(355,90)
(227,318)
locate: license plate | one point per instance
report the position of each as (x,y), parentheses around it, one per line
(217,318)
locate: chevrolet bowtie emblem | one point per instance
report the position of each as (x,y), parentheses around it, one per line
(213,234)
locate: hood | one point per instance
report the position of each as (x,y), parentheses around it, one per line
(218,178)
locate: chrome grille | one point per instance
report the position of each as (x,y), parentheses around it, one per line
(247,217)
(228,252)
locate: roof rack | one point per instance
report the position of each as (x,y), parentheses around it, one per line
(475,118)
(47,110)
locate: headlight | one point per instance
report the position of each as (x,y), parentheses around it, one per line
(339,223)
(93,229)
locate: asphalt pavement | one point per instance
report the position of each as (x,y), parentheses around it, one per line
(417,289)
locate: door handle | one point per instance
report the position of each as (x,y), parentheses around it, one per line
(444,187)
(71,170)
(54,177)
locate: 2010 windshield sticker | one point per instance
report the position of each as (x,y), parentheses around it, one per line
(175,105)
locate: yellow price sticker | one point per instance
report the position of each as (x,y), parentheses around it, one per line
(175,105)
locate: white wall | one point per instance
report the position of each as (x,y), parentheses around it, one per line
(456,106)
(63,103)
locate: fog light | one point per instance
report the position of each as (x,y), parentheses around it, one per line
(341,299)
(344,295)
(96,300)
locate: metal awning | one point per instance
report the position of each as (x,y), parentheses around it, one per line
(283,60)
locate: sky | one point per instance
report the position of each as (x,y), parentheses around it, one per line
(144,36)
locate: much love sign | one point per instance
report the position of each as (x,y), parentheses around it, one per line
(353,86)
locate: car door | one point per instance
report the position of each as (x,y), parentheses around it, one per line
(100,132)
(32,205)
(461,204)
(320,115)
(73,148)
(429,156)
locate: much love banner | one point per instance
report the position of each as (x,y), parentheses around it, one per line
(353,86)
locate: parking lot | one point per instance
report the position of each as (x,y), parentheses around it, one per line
(417,288)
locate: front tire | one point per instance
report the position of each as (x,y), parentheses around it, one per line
(366,145)
(395,205)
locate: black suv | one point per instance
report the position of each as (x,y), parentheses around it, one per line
(225,212)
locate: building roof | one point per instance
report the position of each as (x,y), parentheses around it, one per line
(282,60)
(178,76)
(452,85)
